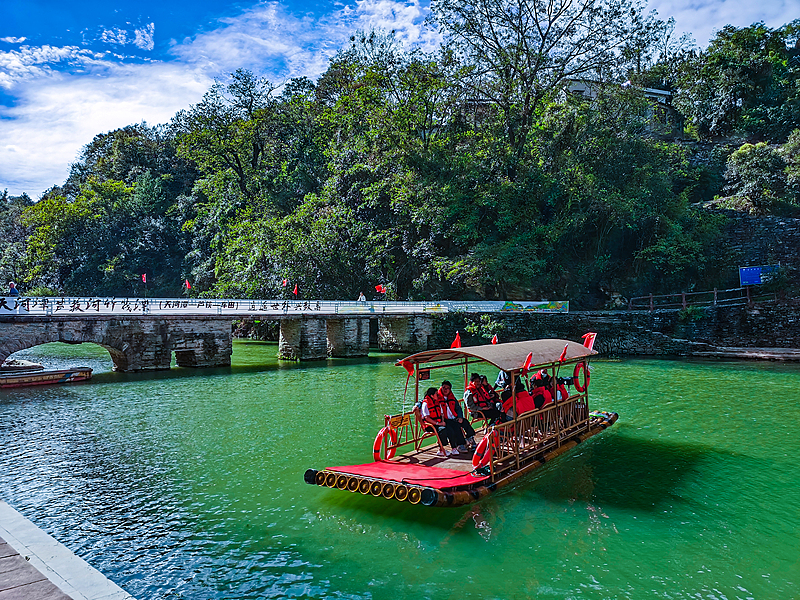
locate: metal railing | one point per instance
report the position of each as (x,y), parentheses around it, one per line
(732,296)
(236,308)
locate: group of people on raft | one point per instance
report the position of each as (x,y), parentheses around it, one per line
(441,413)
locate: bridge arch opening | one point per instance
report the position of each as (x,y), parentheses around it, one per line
(68,354)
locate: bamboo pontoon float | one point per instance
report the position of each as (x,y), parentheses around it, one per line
(406,466)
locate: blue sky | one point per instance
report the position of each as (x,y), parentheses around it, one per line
(70,70)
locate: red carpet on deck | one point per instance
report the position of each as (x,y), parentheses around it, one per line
(434,477)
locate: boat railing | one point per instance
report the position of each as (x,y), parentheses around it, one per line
(573,416)
(531,433)
(536,431)
(409,429)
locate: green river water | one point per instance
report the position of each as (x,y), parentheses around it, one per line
(189,484)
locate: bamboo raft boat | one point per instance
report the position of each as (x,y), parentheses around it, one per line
(44,377)
(406,465)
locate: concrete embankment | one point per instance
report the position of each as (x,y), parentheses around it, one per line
(34,566)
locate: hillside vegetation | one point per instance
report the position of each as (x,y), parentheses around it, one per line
(469,172)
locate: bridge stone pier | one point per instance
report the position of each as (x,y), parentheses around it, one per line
(310,338)
(136,344)
(303,339)
(348,337)
(406,334)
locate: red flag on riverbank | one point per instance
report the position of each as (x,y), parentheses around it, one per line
(285,281)
(456,342)
(144,277)
(188,285)
(494,338)
(381,289)
(295,289)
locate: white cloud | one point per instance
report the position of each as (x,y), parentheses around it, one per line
(267,37)
(13,40)
(55,117)
(703,18)
(114,36)
(143,37)
(31,63)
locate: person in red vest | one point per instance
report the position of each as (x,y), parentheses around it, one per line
(524,400)
(479,396)
(454,417)
(541,386)
(433,419)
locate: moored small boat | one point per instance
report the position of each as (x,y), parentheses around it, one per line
(44,377)
(408,464)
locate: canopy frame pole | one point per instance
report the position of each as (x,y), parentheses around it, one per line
(586,397)
(416,386)
(516,416)
(559,416)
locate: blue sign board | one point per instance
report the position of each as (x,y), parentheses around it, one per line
(756,275)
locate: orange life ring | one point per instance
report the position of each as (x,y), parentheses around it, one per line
(379,443)
(581,366)
(484,451)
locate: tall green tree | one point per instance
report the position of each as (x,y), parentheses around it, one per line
(747,81)
(519,53)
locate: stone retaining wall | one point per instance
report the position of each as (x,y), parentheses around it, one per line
(763,240)
(662,332)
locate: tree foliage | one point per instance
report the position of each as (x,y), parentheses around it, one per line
(747,81)
(468,172)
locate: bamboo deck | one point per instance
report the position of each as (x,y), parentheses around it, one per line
(427,456)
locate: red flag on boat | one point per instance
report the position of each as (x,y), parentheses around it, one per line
(456,342)
(408,366)
(588,340)
(144,277)
(285,281)
(295,289)
(381,289)
(527,364)
(563,354)
(188,285)
(494,338)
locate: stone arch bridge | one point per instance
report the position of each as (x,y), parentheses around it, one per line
(142,334)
